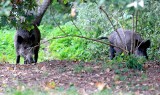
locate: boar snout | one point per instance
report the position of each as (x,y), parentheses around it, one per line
(29,59)
(141,50)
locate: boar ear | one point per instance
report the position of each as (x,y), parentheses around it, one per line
(145,45)
(19,39)
(32,37)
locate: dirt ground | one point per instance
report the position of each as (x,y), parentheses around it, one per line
(65,74)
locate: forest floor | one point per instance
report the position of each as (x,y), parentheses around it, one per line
(83,78)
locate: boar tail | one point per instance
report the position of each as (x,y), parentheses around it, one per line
(102,38)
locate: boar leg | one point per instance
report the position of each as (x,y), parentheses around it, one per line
(112,52)
(36,54)
(25,62)
(18,59)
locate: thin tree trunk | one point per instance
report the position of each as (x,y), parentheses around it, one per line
(41,10)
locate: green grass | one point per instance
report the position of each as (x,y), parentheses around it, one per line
(23,90)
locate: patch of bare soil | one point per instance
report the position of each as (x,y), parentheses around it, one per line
(64,74)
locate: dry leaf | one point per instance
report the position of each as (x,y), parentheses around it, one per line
(100,85)
(44,68)
(10,68)
(108,70)
(118,82)
(51,84)
(91,83)
(108,87)
(20,88)
(146,66)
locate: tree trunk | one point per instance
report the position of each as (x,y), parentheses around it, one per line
(41,10)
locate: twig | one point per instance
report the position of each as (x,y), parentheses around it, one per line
(76,26)
(59,27)
(132,35)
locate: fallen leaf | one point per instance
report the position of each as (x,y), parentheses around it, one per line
(91,83)
(44,68)
(51,84)
(108,70)
(20,88)
(10,68)
(146,66)
(118,82)
(100,85)
(108,87)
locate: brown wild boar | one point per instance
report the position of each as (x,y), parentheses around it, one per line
(128,40)
(27,45)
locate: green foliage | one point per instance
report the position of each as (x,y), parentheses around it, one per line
(70,48)
(130,61)
(7,51)
(72,91)
(104,92)
(57,13)
(90,18)
(81,68)
(17,13)
(5,8)
(135,62)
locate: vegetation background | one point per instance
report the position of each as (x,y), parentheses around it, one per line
(70,30)
(90,22)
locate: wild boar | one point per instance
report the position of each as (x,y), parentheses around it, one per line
(27,45)
(128,40)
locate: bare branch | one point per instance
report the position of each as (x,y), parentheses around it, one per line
(91,39)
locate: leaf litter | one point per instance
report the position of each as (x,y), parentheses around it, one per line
(51,74)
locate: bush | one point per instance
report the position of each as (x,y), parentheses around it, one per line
(135,62)
(73,48)
(69,48)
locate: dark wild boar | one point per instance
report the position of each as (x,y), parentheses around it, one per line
(137,46)
(27,45)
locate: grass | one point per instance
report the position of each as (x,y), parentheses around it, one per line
(72,90)
(23,90)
